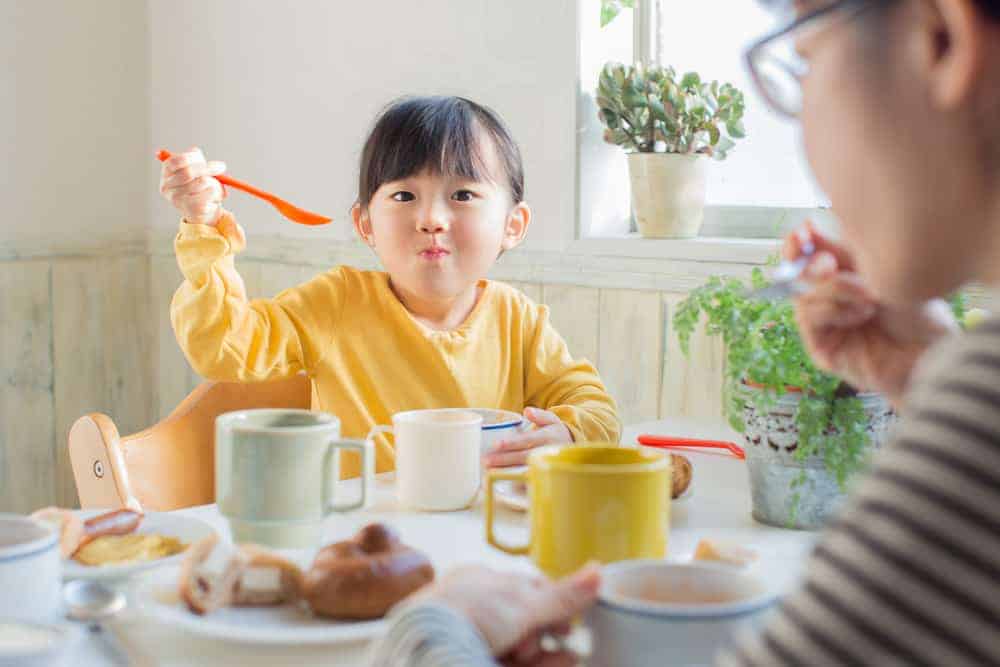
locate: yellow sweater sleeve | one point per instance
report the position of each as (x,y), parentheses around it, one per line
(570,388)
(227,337)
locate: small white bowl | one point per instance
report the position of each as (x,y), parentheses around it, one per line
(710,603)
(30,569)
(35,644)
(497,425)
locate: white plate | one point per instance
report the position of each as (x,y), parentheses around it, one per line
(185,528)
(509,494)
(284,624)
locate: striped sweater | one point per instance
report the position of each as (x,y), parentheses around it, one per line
(910,572)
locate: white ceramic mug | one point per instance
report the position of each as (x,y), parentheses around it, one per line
(277,474)
(30,570)
(651,612)
(437,458)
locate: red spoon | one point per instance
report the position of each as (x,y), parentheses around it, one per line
(293,213)
(669,442)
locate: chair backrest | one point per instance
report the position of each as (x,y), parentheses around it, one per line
(172,464)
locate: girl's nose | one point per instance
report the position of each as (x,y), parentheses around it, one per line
(434,221)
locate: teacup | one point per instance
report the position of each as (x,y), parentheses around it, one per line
(30,570)
(590,502)
(277,474)
(659,613)
(437,458)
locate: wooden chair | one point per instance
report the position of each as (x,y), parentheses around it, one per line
(172,464)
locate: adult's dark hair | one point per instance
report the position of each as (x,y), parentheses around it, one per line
(443,134)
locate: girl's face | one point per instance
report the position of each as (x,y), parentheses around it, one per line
(438,235)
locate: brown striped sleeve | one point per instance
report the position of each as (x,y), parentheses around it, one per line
(910,573)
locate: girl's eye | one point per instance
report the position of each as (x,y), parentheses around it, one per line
(464,195)
(403,195)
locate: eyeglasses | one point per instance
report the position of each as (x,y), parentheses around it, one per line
(775,65)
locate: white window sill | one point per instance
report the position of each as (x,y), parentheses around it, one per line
(721,250)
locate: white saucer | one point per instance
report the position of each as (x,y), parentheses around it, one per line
(185,528)
(284,624)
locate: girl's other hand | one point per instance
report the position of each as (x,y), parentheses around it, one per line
(549,430)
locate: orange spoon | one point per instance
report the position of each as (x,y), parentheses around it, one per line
(293,213)
(670,442)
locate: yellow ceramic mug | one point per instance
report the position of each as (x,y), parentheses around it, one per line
(590,502)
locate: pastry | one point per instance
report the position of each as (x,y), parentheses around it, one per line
(362,578)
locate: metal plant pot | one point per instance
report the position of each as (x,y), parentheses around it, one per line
(771,440)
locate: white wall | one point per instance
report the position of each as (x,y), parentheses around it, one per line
(73,119)
(285,92)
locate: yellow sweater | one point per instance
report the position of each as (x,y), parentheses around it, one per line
(367,356)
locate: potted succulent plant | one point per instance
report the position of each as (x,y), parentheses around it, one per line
(668,125)
(806,432)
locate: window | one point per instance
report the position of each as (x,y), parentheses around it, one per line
(764,186)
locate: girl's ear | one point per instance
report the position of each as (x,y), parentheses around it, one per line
(362,225)
(517,226)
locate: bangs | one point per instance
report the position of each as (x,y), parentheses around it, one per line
(443,135)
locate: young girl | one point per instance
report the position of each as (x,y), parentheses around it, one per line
(440,198)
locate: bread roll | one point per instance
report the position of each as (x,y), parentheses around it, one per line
(681,472)
(362,578)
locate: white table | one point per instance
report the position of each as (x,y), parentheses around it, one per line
(719,506)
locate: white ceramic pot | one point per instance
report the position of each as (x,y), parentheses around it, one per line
(30,570)
(668,194)
(651,612)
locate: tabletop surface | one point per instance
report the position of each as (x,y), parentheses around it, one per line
(718,506)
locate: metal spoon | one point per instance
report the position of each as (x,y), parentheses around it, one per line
(785,281)
(94,603)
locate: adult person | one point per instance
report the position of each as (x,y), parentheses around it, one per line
(899,102)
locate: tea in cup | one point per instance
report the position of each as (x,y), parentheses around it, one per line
(277,474)
(437,458)
(659,613)
(590,502)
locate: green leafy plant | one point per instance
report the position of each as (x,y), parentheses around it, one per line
(764,350)
(651,110)
(612,8)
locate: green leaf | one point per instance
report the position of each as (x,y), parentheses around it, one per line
(609,117)
(691,80)
(656,106)
(735,129)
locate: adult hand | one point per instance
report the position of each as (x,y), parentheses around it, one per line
(514,611)
(873,346)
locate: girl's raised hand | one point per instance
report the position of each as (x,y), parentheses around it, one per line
(188,182)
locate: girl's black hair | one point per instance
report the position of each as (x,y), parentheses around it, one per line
(443,134)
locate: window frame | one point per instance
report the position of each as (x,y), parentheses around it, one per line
(722,222)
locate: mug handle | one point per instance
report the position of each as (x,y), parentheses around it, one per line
(492,477)
(331,476)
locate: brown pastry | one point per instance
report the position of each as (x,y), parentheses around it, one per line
(266,579)
(681,472)
(362,578)
(209,574)
(69,525)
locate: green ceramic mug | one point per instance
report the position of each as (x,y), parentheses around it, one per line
(277,474)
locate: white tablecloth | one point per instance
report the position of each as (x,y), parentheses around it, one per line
(718,506)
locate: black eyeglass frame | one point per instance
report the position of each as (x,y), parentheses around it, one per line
(754,51)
